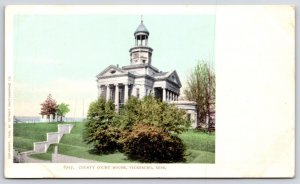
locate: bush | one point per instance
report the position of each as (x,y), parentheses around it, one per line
(148,143)
(101,127)
(107,140)
(152,141)
(150,111)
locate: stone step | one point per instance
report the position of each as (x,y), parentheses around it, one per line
(52,138)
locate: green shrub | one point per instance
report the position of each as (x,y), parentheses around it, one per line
(107,140)
(151,111)
(148,143)
(101,129)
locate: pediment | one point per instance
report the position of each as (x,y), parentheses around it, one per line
(173,76)
(111,71)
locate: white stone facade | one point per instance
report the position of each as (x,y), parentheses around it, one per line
(140,78)
(191,109)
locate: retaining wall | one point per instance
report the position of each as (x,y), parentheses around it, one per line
(40,147)
(52,138)
(65,129)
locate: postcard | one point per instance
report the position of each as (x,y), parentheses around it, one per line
(149,91)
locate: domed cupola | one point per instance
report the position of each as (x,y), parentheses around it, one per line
(141,30)
(141,52)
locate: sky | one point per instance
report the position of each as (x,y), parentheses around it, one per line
(62,54)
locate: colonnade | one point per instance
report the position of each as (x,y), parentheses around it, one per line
(114,91)
(169,95)
(119,93)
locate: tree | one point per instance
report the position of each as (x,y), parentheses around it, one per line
(151,111)
(201,89)
(49,107)
(100,129)
(62,110)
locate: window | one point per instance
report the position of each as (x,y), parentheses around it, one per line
(113,71)
(138,93)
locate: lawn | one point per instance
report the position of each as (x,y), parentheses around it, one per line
(73,145)
(27,133)
(200,146)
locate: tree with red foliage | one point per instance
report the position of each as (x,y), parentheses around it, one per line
(49,107)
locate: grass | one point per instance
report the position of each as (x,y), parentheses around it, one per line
(198,140)
(73,145)
(200,146)
(27,133)
(196,156)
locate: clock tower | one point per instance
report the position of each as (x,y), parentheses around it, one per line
(141,52)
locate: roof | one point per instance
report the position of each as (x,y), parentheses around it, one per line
(133,66)
(141,29)
(170,76)
(159,74)
(110,67)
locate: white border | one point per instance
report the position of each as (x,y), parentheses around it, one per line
(245,158)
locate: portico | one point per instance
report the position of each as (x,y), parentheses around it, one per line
(120,92)
(116,92)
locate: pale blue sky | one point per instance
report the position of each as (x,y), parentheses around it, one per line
(62,54)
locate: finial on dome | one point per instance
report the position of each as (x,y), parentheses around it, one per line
(141,28)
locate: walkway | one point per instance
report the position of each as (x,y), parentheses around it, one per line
(57,158)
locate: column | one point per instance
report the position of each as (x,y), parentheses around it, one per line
(117,97)
(107,92)
(141,40)
(164,94)
(139,44)
(99,91)
(125,93)
(168,96)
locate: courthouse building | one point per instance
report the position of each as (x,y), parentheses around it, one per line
(141,78)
